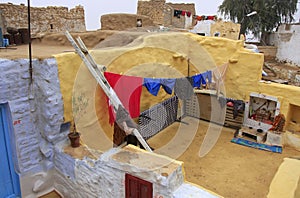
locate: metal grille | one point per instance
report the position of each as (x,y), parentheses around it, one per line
(192,108)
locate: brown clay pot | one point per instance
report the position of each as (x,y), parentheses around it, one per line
(75,139)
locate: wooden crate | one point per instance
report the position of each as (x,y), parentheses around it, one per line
(231,122)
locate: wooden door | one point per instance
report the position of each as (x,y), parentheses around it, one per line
(137,188)
(9,181)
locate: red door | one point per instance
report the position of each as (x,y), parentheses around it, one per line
(137,188)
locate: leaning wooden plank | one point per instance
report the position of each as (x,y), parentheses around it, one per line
(82,51)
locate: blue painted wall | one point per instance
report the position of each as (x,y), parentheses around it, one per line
(9,180)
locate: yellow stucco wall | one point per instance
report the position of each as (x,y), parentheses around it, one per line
(226,29)
(245,71)
(167,55)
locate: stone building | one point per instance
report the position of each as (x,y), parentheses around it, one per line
(43,19)
(162,13)
(124,21)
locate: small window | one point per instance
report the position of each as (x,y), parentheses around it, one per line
(51,26)
(139,23)
(217,34)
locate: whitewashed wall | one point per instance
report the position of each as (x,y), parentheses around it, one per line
(14,88)
(288,39)
(37,113)
(105,177)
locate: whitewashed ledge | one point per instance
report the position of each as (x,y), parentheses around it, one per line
(205,91)
(189,190)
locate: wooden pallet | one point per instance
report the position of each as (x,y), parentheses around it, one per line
(231,122)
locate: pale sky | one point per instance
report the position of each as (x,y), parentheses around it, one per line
(94,9)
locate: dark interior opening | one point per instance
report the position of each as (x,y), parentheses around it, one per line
(139,23)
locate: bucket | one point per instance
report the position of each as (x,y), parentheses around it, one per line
(10,38)
(74,139)
(5,42)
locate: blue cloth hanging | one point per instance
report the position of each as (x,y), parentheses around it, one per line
(206,75)
(168,85)
(152,85)
(197,80)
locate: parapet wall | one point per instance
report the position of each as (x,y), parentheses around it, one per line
(43,19)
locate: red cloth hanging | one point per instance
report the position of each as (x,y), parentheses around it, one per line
(183,12)
(210,17)
(199,18)
(188,14)
(129,90)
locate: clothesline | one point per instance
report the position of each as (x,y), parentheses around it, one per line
(129,89)
(153,85)
(203,17)
(179,13)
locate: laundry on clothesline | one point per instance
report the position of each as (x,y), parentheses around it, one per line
(184,88)
(168,85)
(178,13)
(206,76)
(153,85)
(203,17)
(129,90)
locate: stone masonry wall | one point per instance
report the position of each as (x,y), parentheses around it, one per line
(179,22)
(123,21)
(163,13)
(14,89)
(48,19)
(37,115)
(153,9)
(1,20)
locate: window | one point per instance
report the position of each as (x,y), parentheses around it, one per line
(139,23)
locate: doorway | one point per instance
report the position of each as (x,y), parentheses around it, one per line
(137,188)
(9,180)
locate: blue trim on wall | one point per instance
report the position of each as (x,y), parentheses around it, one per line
(8,130)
